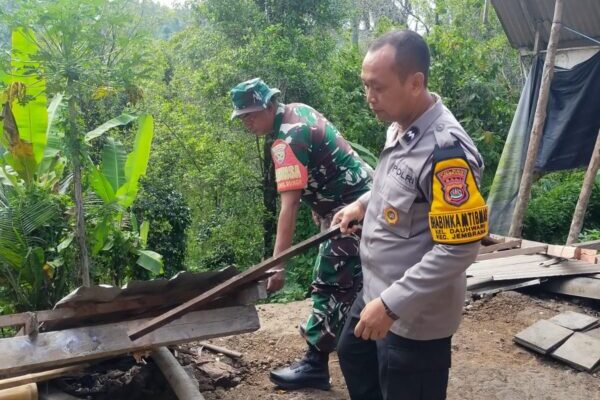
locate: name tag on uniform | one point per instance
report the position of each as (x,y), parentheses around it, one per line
(403,174)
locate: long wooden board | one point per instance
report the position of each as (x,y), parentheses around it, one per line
(513,252)
(22,354)
(247,276)
(579,286)
(500,246)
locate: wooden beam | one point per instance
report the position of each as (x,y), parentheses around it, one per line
(500,246)
(585,194)
(592,244)
(513,252)
(247,276)
(21,354)
(40,376)
(537,129)
(579,286)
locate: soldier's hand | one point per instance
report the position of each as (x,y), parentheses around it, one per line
(316,218)
(374,322)
(352,212)
(276,281)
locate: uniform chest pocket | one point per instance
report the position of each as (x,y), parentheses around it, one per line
(395,212)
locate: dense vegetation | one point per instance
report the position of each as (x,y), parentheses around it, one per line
(161,76)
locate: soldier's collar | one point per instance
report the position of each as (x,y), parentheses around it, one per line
(422,124)
(278,118)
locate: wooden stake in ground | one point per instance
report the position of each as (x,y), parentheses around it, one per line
(516,225)
(584,195)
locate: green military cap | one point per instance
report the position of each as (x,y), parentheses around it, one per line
(251,96)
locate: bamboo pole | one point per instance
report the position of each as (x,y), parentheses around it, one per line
(174,373)
(585,194)
(516,225)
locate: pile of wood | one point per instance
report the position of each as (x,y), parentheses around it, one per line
(571,337)
(95,323)
(507,263)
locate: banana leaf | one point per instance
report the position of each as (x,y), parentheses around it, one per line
(121,120)
(137,161)
(31,114)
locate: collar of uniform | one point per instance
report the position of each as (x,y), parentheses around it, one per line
(411,136)
(278,118)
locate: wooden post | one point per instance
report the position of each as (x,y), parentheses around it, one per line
(584,195)
(516,225)
(484,18)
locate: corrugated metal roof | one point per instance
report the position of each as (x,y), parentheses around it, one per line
(181,282)
(519,18)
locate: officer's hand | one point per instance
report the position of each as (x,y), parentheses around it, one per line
(352,212)
(374,322)
(276,281)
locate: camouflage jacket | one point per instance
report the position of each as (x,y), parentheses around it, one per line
(311,155)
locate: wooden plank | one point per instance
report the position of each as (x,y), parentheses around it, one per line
(565,268)
(476,282)
(61,348)
(247,276)
(574,321)
(497,287)
(577,286)
(581,351)
(592,244)
(40,376)
(500,246)
(513,252)
(515,260)
(543,336)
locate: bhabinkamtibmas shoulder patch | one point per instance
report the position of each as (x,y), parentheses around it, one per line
(458,212)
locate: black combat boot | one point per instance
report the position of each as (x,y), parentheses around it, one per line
(312,371)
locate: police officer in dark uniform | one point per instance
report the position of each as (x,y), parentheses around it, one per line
(422,225)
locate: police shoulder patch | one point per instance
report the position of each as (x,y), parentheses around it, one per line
(458,212)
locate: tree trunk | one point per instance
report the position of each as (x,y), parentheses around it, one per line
(73,134)
(269,198)
(355,29)
(516,225)
(584,195)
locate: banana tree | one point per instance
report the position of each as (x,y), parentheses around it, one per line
(116,182)
(24,118)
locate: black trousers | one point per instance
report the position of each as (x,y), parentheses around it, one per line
(393,368)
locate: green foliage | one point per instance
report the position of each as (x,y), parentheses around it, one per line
(33,274)
(167,209)
(552,204)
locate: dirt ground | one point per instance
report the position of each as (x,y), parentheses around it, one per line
(486,362)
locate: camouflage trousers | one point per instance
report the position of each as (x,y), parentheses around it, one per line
(337,278)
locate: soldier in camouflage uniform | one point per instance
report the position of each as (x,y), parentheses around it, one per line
(313,163)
